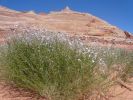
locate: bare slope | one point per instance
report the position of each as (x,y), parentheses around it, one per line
(84,25)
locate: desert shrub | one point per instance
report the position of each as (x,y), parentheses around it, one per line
(113,61)
(127,71)
(62,68)
(50,65)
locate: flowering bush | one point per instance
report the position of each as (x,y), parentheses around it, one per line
(50,64)
(59,67)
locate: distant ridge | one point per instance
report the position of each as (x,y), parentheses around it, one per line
(84,25)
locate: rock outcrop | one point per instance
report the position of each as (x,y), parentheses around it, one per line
(75,23)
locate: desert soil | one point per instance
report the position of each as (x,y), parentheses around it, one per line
(122,93)
(9,92)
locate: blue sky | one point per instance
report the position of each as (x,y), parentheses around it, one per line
(116,12)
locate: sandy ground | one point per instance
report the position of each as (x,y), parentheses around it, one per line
(8,92)
(122,93)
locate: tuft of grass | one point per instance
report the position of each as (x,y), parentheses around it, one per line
(59,68)
(53,68)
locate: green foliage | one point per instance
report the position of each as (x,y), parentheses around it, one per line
(53,69)
(62,69)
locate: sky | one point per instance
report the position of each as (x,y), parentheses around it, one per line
(116,12)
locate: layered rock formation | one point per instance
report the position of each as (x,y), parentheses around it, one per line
(86,26)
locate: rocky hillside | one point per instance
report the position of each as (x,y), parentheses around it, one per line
(86,26)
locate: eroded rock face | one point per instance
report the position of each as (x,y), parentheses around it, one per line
(66,20)
(128,35)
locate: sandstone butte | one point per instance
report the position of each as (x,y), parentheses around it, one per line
(87,27)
